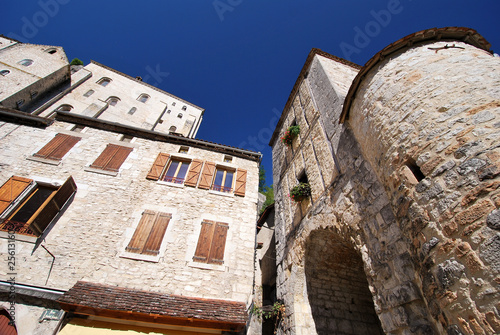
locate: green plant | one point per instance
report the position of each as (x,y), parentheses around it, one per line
(277,311)
(300,192)
(290,134)
(76,61)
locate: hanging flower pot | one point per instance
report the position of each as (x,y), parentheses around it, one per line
(290,134)
(300,192)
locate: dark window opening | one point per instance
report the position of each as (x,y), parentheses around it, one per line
(35,201)
(303,178)
(415,169)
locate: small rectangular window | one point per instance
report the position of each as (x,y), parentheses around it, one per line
(183,150)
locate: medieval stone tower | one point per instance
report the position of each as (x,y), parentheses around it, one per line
(400,234)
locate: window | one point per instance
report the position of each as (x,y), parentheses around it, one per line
(19,103)
(112,101)
(28,207)
(4,72)
(132,110)
(221,179)
(169,111)
(143,98)
(57,147)
(78,128)
(111,158)
(179,115)
(173,103)
(228,159)
(33,94)
(184,108)
(88,93)
(126,138)
(176,171)
(149,233)
(172,129)
(51,51)
(172,169)
(26,62)
(183,150)
(104,81)
(211,243)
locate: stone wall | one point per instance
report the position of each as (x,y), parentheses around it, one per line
(88,241)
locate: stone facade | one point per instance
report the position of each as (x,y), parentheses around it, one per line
(90,239)
(400,232)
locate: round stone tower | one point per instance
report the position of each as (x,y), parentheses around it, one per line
(426,114)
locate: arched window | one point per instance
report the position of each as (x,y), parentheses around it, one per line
(19,103)
(172,129)
(26,62)
(179,115)
(104,81)
(132,110)
(64,108)
(143,97)
(51,51)
(89,93)
(4,72)
(112,101)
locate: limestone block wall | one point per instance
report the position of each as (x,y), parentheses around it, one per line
(50,68)
(88,242)
(428,122)
(161,111)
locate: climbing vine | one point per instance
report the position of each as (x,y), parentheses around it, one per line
(277,312)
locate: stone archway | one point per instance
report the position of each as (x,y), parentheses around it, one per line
(337,288)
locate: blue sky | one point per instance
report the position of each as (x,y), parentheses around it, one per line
(238,59)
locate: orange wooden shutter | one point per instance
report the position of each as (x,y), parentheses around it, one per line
(153,243)
(160,162)
(207,175)
(194,173)
(204,241)
(142,232)
(117,160)
(216,255)
(111,158)
(241,182)
(11,189)
(57,147)
(47,213)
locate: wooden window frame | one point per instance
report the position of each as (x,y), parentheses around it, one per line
(175,179)
(222,188)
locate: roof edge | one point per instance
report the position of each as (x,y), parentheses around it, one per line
(146,84)
(302,74)
(464,34)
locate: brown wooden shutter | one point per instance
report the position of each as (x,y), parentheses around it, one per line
(57,147)
(118,159)
(204,241)
(153,243)
(160,162)
(11,189)
(207,175)
(218,244)
(142,232)
(194,173)
(111,158)
(241,182)
(44,216)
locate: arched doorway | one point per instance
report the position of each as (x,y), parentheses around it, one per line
(337,288)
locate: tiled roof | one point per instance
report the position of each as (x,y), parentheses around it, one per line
(111,301)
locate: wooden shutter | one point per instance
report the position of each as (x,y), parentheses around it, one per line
(57,147)
(241,182)
(207,175)
(153,243)
(194,173)
(204,241)
(11,189)
(160,162)
(44,216)
(142,232)
(216,255)
(111,158)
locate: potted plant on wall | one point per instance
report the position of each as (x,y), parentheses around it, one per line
(290,134)
(300,192)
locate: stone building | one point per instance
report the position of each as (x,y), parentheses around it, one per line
(400,234)
(112,221)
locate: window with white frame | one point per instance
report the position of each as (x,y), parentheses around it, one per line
(143,98)
(88,93)
(104,81)
(26,62)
